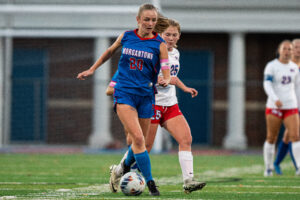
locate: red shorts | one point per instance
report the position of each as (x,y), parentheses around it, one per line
(163,113)
(282,114)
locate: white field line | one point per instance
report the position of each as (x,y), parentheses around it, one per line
(256,186)
(296,193)
(7,197)
(229,172)
(37,183)
(172,198)
(90,191)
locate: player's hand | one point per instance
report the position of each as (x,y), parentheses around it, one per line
(192,91)
(278,103)
(84,74)
(163,82)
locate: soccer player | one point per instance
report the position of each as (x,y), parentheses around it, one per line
(280,79)
(143,54)
(285,144)
(167,112)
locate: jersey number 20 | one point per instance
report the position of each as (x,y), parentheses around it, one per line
(136,63)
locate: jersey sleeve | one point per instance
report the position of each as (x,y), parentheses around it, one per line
(268,83)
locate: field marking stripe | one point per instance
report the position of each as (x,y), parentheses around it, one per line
(225,173)
(255,186)
(7,197)
(104,188)
(39,183)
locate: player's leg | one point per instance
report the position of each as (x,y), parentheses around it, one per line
(180,130)
(128,138)
(155,121)
(145,112)
(129,118)
(293,157)
(273,127)
(118,170)
(282,150)
(292,124)
(151,136)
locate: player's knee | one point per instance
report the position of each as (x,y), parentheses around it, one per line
(271,140)
(139,140)
(186,141)
(294,138)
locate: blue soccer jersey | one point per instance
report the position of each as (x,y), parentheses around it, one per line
(115,76)
(139,63)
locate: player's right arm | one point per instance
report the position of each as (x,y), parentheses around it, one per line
(268,85)
(103,58)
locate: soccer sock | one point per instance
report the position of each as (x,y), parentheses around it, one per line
(281,152)
(186,164)
(143,162)
(135,166)
(296,152)
(269,151)
(292,155)
(130,157)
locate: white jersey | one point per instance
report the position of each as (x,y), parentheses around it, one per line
(166,96)
(280,83)
(298,88)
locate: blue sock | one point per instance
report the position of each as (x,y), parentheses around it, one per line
(130,157)
(143,162)
(282,151)
(135,166)
(292,155)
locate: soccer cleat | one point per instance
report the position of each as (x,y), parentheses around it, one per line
(114,180)
(153,188)
(277,169)
(191,185)
(297,172)
(268,172)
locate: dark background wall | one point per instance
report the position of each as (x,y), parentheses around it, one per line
(69,111)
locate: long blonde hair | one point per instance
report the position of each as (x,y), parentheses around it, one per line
(162,22)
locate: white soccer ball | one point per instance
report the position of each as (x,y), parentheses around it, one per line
(132,184)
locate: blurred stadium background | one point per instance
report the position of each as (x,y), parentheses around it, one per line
(224,47)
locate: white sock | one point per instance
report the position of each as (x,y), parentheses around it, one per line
(269,152)
(186,164)
(119,169)
(296,152)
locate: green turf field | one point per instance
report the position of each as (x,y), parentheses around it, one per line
(85,176)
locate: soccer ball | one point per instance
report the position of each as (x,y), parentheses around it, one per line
(132,184)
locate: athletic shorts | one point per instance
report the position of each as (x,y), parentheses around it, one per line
(280,113)
(142,104)
(163,113)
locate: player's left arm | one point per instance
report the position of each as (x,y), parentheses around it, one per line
(109,90)
(165,67)
(183,87)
